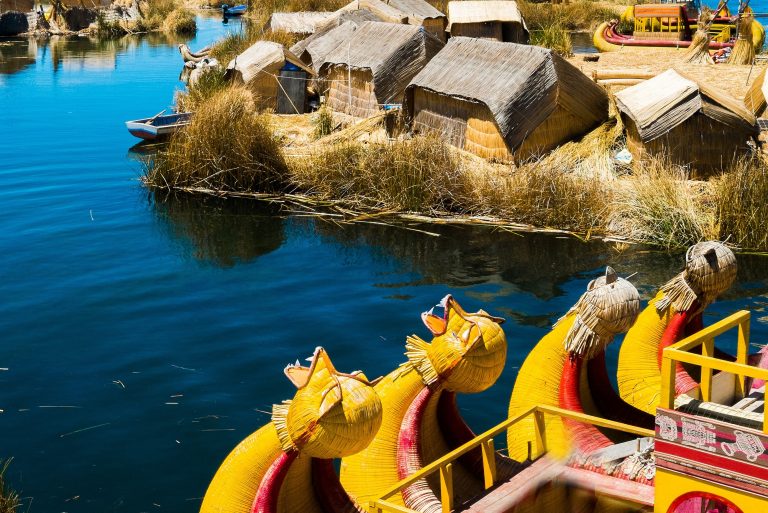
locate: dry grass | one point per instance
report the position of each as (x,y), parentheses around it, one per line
(416,175)
(742,204)
(180,21)
(659,206)
(9,499)
(226,147)
(322,122)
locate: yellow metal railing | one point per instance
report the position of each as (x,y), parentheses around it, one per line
(485,442)
(682,352)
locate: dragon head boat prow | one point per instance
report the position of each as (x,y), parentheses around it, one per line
(287,465)
(332,415)
(710,270)
(468,350)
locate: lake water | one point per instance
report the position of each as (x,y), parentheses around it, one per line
(141,338)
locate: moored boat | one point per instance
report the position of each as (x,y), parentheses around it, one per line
(668,26)
(234,10)
(156,127)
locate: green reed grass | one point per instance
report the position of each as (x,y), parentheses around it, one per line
(322,123)
(579,15)
(554,37)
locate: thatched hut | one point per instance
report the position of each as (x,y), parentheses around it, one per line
(686,122)
(412,12)
(305,22)
(374,65)
(313,49)
(503,100)
(276,77)
(500,20)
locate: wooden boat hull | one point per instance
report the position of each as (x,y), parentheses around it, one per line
(151,129)
(232,12)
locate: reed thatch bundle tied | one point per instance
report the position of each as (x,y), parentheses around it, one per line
(743,49)
(710,268)
(332,415)
(467,353)
(698,52)
(608,307)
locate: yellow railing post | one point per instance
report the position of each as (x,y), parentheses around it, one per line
(489,463)
(742,350)
(540,432)
(708,351)
(446,487)
(667,399)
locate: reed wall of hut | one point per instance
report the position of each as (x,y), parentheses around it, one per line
(706,146)
(381,59)
(501,100)
(358,100)
(464,124)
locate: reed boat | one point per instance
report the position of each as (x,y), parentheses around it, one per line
(668,26)
(158,127)
(231,11)
(572,443)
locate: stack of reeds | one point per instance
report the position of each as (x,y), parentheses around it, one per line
(698,52)
(743,50)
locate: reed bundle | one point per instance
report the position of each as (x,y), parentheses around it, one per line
(698,52)
(744,49)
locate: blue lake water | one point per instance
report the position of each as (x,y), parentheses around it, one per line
(141,338)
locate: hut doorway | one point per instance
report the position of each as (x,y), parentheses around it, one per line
(292,90)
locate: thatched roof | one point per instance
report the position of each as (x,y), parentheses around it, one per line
(263,56)
(415,9)
(324,28)
(297,22)
(483,11)
(755,99)
(397,11)
(664,102)
(318,48)
(393,53)
(521,85)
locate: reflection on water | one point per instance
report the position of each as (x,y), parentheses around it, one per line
(221,232)
(16,54)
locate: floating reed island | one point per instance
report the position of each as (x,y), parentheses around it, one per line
(369,110)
